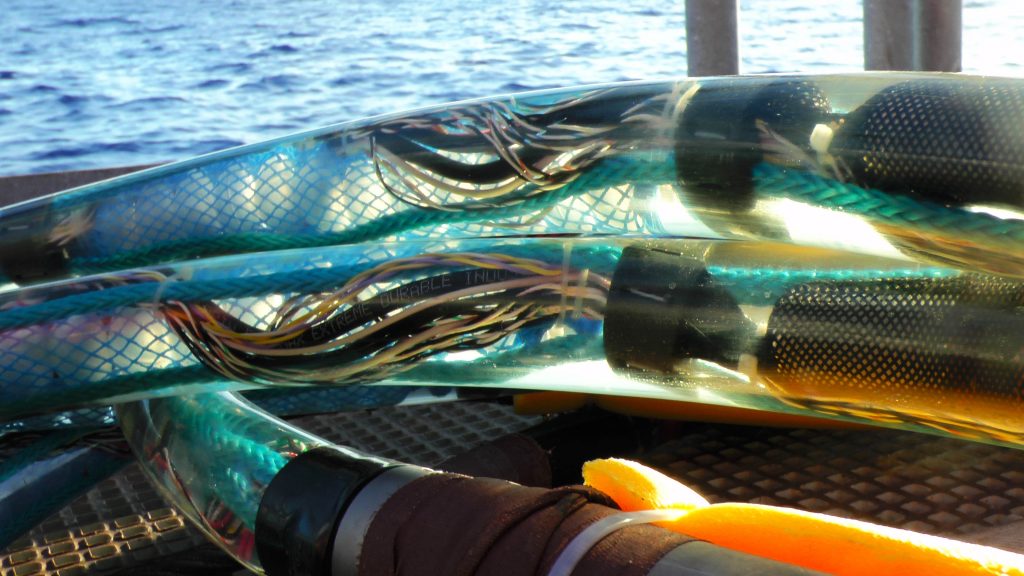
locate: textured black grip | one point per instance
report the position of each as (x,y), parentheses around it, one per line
(944,351)
(954,142)
(718,142)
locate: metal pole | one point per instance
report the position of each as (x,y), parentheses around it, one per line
(712,43)
(887,38)
(940,24)
(913,35)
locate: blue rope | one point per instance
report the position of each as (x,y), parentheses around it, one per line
(37,500)
(37,451)
(240,457)
(765,285)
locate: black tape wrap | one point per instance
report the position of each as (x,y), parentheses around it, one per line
(302,506)
(664,307)
(26,252)
(718,142)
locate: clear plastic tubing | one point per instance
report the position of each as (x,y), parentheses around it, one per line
(749,324)
(920,166)
(213,455)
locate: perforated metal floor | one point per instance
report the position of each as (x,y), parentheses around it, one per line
(930,484)
(123,523)
(915,481)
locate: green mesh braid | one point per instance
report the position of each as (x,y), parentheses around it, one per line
(609,173)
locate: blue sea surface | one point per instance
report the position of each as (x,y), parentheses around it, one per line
(87,84)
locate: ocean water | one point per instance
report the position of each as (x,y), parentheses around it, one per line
(87,84)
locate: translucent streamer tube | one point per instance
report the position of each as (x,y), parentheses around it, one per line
(105,339)
(745,324)
(919,166)
(213,455)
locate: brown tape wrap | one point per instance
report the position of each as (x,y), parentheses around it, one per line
(513,457)
(460,526)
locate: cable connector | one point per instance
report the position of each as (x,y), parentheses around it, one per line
(665,308)
(301,509)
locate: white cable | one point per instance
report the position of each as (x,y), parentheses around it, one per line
(589,537)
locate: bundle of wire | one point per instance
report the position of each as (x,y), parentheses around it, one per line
(340,338)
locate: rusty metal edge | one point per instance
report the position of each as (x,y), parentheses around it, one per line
(14,189)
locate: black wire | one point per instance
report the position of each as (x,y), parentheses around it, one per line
(370,310)
(473,308)
(376,342)
(416,152)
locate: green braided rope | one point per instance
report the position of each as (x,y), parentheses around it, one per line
(609,173)
(90,393)
(237,463)
(224,442)
(239,421)
(299,281)
(312,280)
(37,451)
(897,210)
(765,285)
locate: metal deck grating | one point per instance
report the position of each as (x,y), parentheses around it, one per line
(925,483)
(919,482)
(123,523)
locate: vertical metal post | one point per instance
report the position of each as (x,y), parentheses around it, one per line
(887,38)
(940,26)
(913,35)
(712,42)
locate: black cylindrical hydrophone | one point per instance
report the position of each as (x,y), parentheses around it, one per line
(941,352)
(949,140)
(944,353)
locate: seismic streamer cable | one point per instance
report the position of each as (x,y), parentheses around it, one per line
(847,246)
(707,321)
(882,164)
